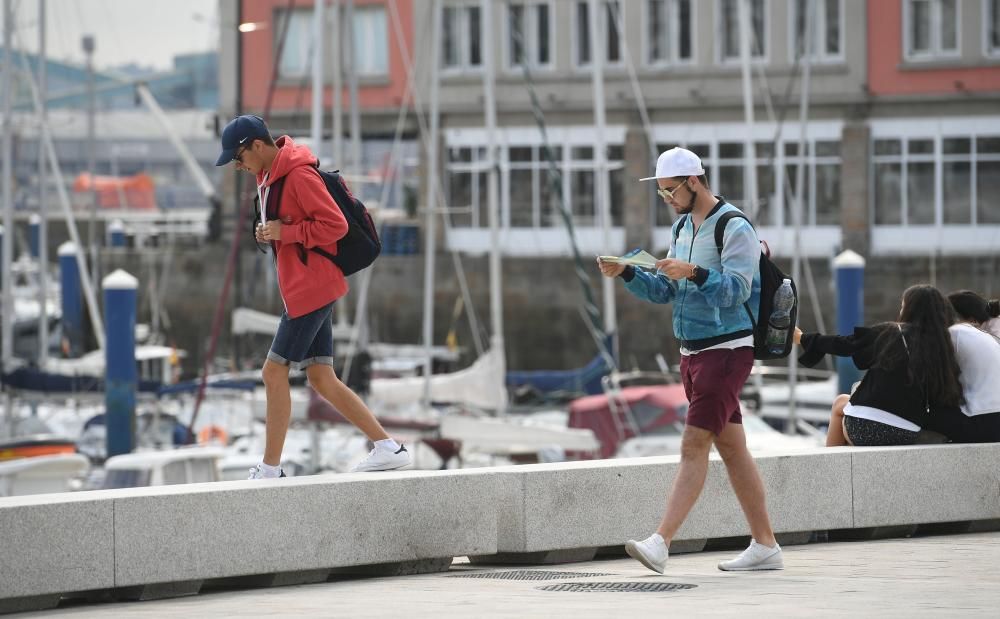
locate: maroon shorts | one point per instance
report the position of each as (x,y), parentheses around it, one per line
(712,382)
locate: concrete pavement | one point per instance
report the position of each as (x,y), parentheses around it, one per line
(940,576)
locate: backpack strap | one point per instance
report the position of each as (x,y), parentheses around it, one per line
(722,222)
(720,233)
(679,226)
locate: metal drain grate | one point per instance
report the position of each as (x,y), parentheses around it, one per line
(529,575)
(639,587)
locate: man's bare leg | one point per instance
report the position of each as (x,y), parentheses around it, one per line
(690,479)
(746,482)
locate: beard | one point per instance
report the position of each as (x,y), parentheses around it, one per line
(686,209)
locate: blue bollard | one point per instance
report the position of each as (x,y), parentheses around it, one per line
(72,300)
(116,234)
(849,273)
(121,379)
(34,234)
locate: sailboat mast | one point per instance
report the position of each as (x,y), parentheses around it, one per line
(43,223)
(490,109)
(602,193)
(750,195)
(316,124)
(430,214)
(8,195)
(800,190)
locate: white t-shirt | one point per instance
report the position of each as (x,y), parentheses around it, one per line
(978,356)
(743,342)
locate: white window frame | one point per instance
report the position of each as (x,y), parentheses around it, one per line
(622,48)
(465,65)
(935,16)
(823,57)
(988,17)
(366,8)
(735,60)
(945,239)
(550,240)
(305,42)
(673,40)
(531,25)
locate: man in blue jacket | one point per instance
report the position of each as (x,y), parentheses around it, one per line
(715,332)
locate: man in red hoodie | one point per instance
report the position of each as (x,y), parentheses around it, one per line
(298,216)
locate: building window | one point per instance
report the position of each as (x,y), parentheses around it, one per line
(991,27)
(370,42)
(610,24)
(729,29)
(297,50)
(930,28)
(669,27)
(827,39)
(529,194)
(461,43)
(529,35)
(987,188)
(905,180)
(465,187)
(371,49)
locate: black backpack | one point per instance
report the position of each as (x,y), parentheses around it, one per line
(770,280)
(359,247)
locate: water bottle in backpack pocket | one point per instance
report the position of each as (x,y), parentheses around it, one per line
(780,320)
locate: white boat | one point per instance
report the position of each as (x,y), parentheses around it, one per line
(42,474)
(162,468)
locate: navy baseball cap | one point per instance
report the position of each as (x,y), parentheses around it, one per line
(240,130)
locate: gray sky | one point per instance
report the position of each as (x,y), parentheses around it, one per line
(144,32)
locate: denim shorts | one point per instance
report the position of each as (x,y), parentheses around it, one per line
(304,341)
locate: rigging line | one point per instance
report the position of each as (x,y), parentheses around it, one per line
(234,244)
(640,100)
(391,166)
(424,137)
(276,59)
(555,185)
(787,188)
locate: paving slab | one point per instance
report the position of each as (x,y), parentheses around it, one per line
(942,576)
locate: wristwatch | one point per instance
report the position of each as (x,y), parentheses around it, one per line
(694,273)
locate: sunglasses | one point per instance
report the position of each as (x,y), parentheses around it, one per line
(238,157)
(668,194)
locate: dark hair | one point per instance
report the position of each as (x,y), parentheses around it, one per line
(703,179)
(970,306)
(267,140)
(926,316)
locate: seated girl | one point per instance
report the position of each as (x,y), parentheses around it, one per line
(911,380)
(978,354)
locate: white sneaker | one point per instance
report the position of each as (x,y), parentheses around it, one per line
(651,552)
(383,459)
(258,473)
(755,557)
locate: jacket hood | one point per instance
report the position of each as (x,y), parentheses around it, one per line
(290,156)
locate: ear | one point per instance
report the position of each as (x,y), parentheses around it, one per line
(693,183)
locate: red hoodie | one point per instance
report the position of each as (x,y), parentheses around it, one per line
(309,218)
